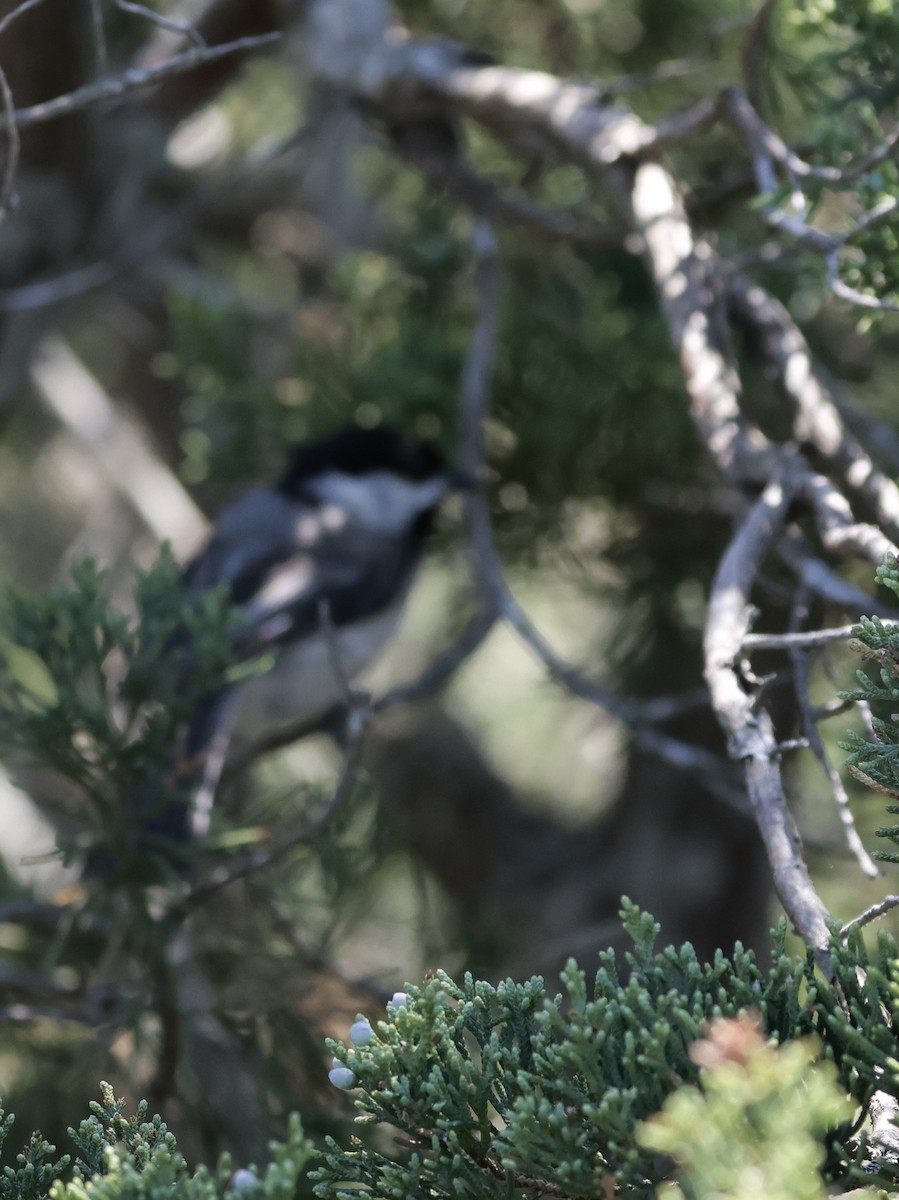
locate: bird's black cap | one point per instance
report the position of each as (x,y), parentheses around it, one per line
(356,451)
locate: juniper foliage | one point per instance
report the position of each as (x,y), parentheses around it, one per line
(506,1090)
(876,762)
(785,1096)
(849,85)
(101,696)
(33,1175)
(137,1157)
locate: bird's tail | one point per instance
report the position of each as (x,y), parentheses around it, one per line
(170,808)
(206,751)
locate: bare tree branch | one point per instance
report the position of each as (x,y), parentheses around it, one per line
(17,12)
(805,640)
(684,269)
(431,680)
(842,289)
(120,449)
(131,80)
(870,914)
(398,79)
(184,27)
(753,51)
(264,859)
(497,594)
(795,552)
(818,420)
(8,182)
(400,75)
(689,288)
(799,657)
(837,527)
(748,727)
(440,669)
(766,148)
(98,28)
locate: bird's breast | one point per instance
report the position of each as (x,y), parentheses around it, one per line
(306,683)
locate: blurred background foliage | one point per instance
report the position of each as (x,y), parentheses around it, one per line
(263,268)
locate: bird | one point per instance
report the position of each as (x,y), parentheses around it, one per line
(318,567)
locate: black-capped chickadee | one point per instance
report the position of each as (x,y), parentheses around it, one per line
(319,567)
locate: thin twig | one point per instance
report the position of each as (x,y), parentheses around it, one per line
(497,595)
(264,859)
(637,717)
(674,127)
(765,149)
(7,184)
(875,785)
(17,12)
(672,68)
(872,217)
(47,292)
(763,141)
(131,80)
(305,954)
(817,418)
(543,1187)
(139,247)
(870,914)
(807,639)
(842,289)
(440,669)
(474,392)
(873,158)
(831,708)
(22,1014)
(799,659)
(864,711)
(335,657)
(428,683)
(101,51)
(795,552)
(166,23)
(754,51)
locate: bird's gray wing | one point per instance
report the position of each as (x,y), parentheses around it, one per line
(289,568)
(281,559)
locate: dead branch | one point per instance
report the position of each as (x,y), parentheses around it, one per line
(748,727)
(799,657)
(185,28)
(8,182)
(120,449)
(17,12)
(131,80)
(870,914)
(800,639)
(818,420)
